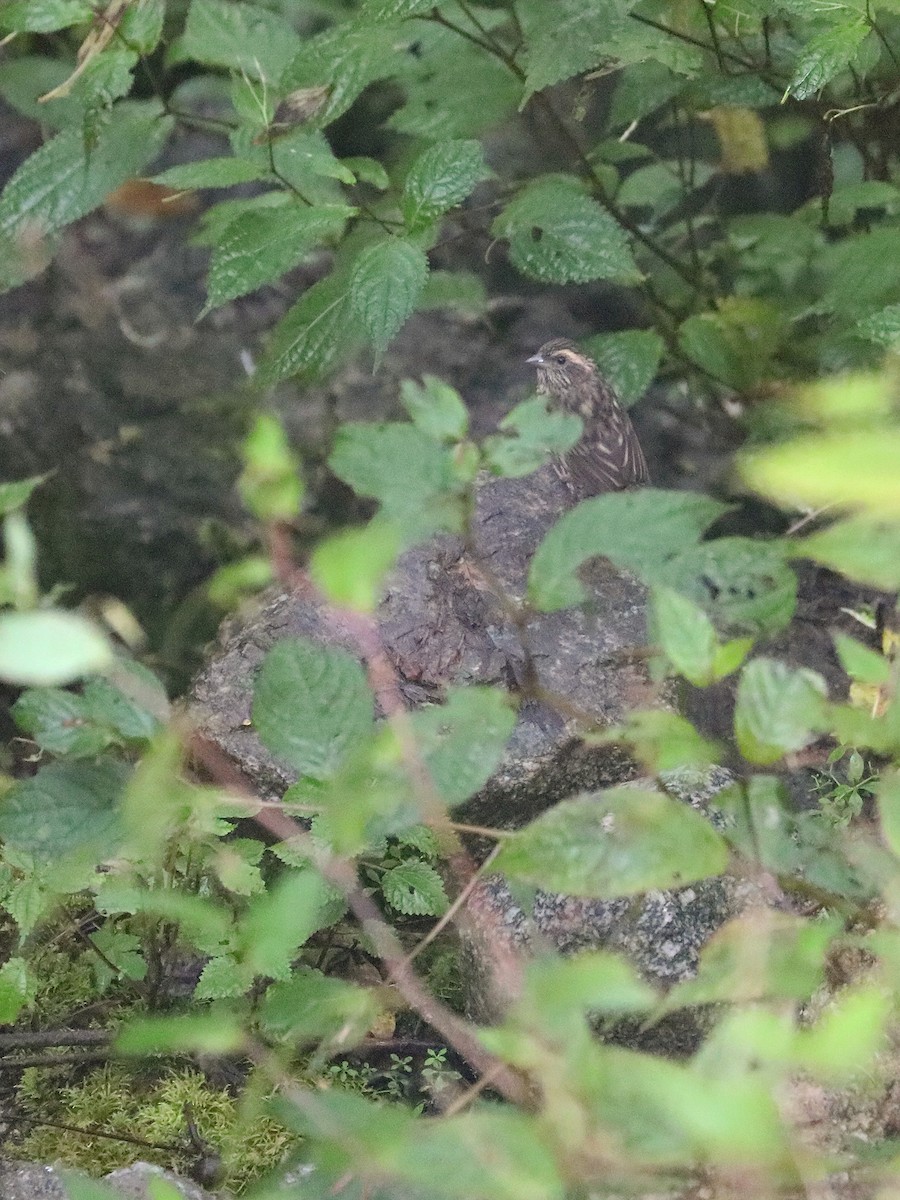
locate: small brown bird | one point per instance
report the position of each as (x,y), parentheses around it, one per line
(608,456)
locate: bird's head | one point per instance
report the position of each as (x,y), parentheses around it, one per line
(562,369)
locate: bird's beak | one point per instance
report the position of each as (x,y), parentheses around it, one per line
(535,360)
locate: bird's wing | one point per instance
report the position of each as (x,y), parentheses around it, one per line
(607,458)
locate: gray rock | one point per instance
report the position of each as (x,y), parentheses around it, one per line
(444,621)
(31,1181)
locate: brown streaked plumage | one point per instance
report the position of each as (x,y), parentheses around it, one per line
(608,457)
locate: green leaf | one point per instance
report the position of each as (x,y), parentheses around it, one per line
(79,1187)
(270,484)
(65,807)
(142,25)
(241,37)
(216,1031)
(24,79)
(736,343)
(14,989)
(436,408)
(862,547)
(539,432)
(385,285)
(17,493)
(618,842)
(787,954)
(47,647)
(437,107)
(593,981)
(853,467)
(629,360)
(463,739)
(826,56)
(639,531)
(312,336)
(557,234)
(64,180)
(568,37)
(261,246)
(688,637)
(346,58)
(854,282)
(282,919)
(663,741)
(43,16)
(300,154)
(367,170)
(860,662)
(743,584)
(779,709)
(311,1006)
(849,1036)
(440,178)
(59,723)
(212,173)
(311,705)
(350,567)
(408,472)
(414,888)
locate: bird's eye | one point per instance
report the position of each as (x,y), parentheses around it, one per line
(561,359)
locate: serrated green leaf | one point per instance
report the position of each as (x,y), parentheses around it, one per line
(212,173)
(311,705)
(462,740)
(557,234)
(440,178)
(629,360)
(67,806)
(539,432)
(313,335)
(779,709)
(435,407)
(48,647)
(618,842)
(639,531)
(385,285)
(261,246)
(826,55)
(567,37)
(43,16)
(345,58)
(64,180)
(415,889)
(241,37)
